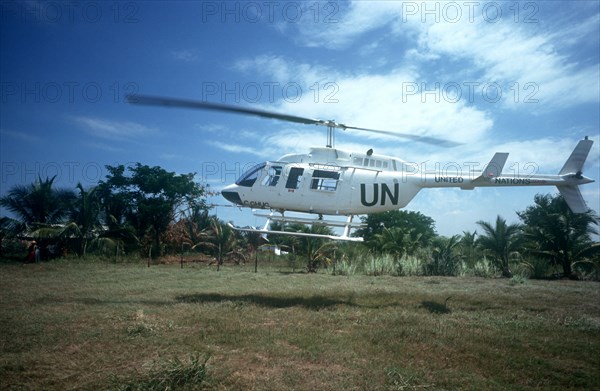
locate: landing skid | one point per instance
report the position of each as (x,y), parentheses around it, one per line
(345,236)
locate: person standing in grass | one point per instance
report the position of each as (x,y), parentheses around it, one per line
(31,252)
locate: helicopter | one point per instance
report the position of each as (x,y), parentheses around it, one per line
(328,181)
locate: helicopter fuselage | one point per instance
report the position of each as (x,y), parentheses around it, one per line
(335,182)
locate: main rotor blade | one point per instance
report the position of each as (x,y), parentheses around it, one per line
(193,104)
(424,139)
(198,105)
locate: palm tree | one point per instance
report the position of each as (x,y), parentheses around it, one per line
(85,218)
(445,257)
(398,241)
(223,240)
(39,202)
(390,240)
(314,249)
(500,242)
(556,233)
(468,245)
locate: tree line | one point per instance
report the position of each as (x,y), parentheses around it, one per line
(150,212)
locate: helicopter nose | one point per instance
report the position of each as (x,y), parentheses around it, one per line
(231,195)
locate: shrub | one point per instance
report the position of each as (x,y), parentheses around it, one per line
(535,267)
(409,265)
(384,264)
(345,268)
(517,279)
(484,268)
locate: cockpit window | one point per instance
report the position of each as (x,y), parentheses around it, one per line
(273,178)
(250,176)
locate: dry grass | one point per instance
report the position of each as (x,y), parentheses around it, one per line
(76,325)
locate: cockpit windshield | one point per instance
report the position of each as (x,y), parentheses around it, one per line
(250,176)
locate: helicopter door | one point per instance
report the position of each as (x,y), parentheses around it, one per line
(294,178)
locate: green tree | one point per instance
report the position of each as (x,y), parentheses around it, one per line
(398,241)
(224,241)
(149,198)
(39,203)
(421,226)
(555,233)
(500,242)
(468,246)
(318,251)
(85,218)
(445,257)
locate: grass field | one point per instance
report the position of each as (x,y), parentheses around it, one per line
(98,325)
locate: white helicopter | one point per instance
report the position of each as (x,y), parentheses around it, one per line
(331,181)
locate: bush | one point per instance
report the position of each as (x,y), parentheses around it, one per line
(409,265)
(345,268)
(534,267)
(484,268)
(384,264)
(517,279)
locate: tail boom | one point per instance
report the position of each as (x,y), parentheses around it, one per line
(567,181)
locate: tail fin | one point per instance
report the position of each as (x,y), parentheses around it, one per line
(574,167)
(574,164)
(494,167)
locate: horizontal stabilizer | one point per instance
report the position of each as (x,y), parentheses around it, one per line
(573,197)
(574,164)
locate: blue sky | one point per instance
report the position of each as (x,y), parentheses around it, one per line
(498,77)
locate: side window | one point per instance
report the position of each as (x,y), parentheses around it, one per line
(295,177)
(274,173)
(325,180)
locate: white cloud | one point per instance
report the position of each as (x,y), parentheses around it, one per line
(529,61)
(185,55)
(508,54)
(346,25)
(104,147)
(114,130)
(236,148)
(23,136)
(272,65)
